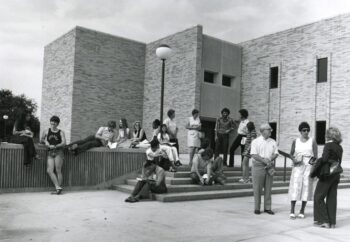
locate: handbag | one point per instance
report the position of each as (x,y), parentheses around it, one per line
(335,168)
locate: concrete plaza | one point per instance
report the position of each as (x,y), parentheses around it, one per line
(104,216)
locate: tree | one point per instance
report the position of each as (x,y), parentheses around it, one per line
(11,105)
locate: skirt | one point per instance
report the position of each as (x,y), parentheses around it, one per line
(301,186)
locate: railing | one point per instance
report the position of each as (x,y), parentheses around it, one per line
(285,155)
(94,167)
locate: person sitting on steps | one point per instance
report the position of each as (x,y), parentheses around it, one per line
(162,154)
(146,184)
(203,164)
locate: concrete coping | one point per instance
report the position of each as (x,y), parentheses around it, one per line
(5,145)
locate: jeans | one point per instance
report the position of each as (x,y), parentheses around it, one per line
(236,143)
(221,144)
(28,147)
(86,144)
(143,188)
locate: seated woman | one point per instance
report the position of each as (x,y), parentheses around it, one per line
(123,139)
(103,136)
(146,184)
(164,140)
(55,140)
(203,164)
(162,155)
(22,134)
(139,134)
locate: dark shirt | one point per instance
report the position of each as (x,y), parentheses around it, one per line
(332,151)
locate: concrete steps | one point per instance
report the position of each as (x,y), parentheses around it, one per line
(180,187)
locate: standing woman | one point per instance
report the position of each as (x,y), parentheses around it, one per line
(172,128)
(325,213)
(193,140)
(22,134)
(55,140)
(301,184)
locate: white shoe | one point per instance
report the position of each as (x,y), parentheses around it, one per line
(241,180)
(292,216)
(300,215)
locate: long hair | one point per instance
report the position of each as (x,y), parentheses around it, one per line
(21,122)
(124,123)
(162,132)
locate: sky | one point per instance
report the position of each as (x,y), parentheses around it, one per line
(26,26)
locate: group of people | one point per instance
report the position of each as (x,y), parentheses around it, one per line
(206,165)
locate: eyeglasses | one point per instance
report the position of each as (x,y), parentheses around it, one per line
(305,130)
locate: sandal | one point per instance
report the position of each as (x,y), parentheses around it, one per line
(178,163)
(57,192)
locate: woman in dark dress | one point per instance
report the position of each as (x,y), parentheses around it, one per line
(22,134)
(325,212)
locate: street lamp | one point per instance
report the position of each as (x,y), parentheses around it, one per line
(5,117)
(163,52)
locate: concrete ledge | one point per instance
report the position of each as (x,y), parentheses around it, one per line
(97,168)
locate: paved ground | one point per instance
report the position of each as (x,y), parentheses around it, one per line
(103,216)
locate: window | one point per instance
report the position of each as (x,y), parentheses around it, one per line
(320,132)
(226,81)
(274,77)
(209,77)
(322,69)
(274,130)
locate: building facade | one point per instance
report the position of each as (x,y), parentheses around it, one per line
(296,75)
(101,77)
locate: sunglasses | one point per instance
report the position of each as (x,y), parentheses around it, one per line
(305,130)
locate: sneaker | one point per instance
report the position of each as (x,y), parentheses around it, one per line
(301,215)
(257,212)
(241,180)
(292,216)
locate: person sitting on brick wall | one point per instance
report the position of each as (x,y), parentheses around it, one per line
(146,184)
(139,134)
(101,138)
(123,139)
(203,164)
(164,140)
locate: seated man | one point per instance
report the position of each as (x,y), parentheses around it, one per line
(101,138)
(162,155)
(204,164)
(146,184)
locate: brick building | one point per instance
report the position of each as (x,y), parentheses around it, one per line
(300,74)
(92,77)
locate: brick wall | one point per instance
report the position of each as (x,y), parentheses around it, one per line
(182,80)
(108,81)
(57,85)
(298,97)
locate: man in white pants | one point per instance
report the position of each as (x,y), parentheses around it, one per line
(263,151)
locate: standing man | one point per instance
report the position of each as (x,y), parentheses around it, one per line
(172,128)
(241,135)
(264,151)
(224,125)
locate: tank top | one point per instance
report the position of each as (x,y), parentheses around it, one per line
(303,150)
(54,138)
(137,135)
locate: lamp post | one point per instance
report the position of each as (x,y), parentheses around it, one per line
(5,117)
(163,52)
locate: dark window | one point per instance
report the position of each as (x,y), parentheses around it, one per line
(274,130)
(209,77)
(322,70)
(274,77)
(321,132)
(226,81)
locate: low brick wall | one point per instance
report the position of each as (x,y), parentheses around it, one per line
(95,168)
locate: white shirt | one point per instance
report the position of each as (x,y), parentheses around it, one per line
(105,133)
(171,125)
(242,128)
(265,148)
(151,155)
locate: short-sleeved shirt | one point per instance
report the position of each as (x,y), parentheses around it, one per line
(223,125)
(242,128)
(151,155)
(105,133)
(265,148)
(171,125)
